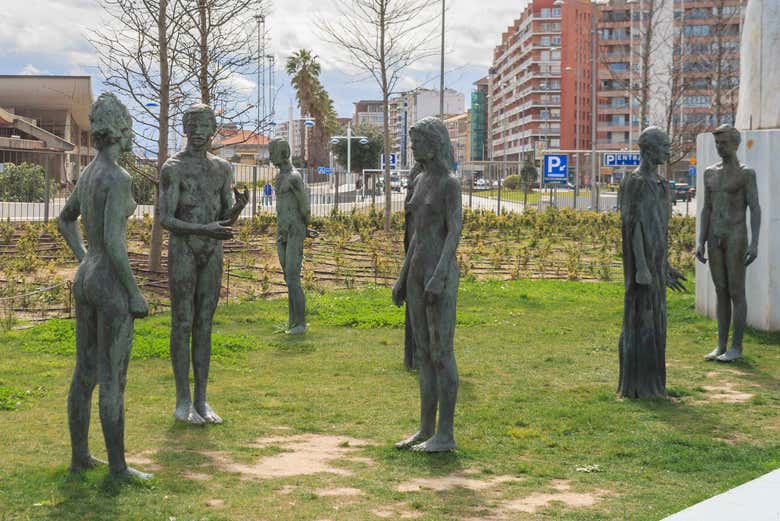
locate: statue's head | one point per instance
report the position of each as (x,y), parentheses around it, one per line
(727,140)
(654,145)
(200,125)
(110,122)
(431,143)
(279,151)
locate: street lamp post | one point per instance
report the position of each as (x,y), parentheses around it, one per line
(363,140)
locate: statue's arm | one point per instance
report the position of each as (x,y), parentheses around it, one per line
(231,206)
(755,216)
(296,184)
(642,274)
(68,225)
(704,219)
(454,216)
(114,236)
(399,289)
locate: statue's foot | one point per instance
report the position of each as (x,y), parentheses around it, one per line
(185,412)
(82,464)
(297,330)
(414,439)
(730,355)
(130,473)
(207,413)
(715,353)
(436,444)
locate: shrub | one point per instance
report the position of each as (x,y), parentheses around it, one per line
(512,182)
(23,183)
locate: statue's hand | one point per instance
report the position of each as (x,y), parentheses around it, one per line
(644,277)
(399,293)
(218,230)
(138,306)
(675,279)
(700,255)
(241,199)
(433,289)
(751,255)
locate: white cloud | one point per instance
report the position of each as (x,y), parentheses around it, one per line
(31,70)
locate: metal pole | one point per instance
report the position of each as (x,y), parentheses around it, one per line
(594,73)
(254,189)
(441,79)
(46,190)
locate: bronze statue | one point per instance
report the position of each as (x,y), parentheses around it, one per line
(197,208)
(107,297)
(645,205)
(729,189)
(429,283)
(293,215)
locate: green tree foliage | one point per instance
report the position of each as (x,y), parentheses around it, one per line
(528,174)
(363,156)
(22,183)
(512,182)
(314,101)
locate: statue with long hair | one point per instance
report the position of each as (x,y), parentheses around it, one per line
(107,297)
(429,283)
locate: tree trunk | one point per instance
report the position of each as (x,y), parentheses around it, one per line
(646,52)
(155,247)
(203,68)
(386,117)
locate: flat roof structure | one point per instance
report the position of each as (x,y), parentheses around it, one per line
(56,93)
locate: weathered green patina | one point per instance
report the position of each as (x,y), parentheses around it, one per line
(107,297)
(429,283)
(645,206)
(197,207)
(729,190)
(293,216)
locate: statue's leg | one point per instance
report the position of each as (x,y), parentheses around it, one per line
(281,250)
(292,275)
(719,274)
(735,267)
(426,373)
(206,299)
(81,387)
(182,277)
(441,323)
(115,339)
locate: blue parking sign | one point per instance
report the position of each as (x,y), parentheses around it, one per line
(555,168)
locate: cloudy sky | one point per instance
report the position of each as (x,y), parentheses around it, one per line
(49,37)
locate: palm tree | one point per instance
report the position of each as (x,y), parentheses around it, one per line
(304,69)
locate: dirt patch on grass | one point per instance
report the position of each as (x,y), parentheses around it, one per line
(302,455)
(536,501)
(196,476)
(441,483)
(338,492)
(143,460)
(719,373)
(725,393)
(396,511)
(215,503)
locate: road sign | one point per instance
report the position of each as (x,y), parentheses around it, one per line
(692,171)
(323,170)
(555,168)
(621,159)
(392,161)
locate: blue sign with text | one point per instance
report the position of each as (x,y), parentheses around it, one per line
(323,170)
(556,168)
(621,159)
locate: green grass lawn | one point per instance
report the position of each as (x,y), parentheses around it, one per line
(538,369)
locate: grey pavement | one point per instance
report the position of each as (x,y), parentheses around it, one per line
(757,500)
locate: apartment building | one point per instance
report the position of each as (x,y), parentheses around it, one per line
(539,96)
(458,127)
(479,145)
(370,112)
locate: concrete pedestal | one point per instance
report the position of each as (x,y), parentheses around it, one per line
(760,150)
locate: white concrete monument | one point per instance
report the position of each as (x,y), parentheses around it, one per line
(758,120)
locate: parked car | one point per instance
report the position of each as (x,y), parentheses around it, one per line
(682,191)
(480,184)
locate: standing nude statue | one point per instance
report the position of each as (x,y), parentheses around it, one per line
(197,208)
(429,283)
(645,208)
(107,297)
(729,189)
(292,217)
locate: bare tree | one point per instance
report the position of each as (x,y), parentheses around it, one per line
(140,51)
(221,49)
(383,38)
